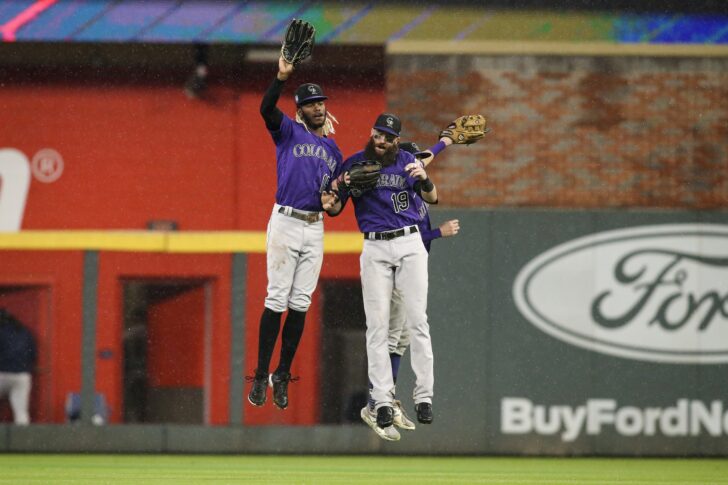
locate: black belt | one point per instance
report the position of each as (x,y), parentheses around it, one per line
(388,235)
(309,217)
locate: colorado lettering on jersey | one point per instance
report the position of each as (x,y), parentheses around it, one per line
(312,150)
(391,180)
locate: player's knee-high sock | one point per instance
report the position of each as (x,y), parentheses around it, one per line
(270,326)
(395,358)
(292,331)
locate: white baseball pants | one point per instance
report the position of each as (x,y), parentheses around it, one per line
(295,251)
(401,264)
(16,385)
(398,333)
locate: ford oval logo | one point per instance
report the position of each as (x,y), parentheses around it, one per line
(654,293)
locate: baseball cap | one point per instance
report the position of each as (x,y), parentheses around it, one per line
(308,93)
(388,123)
(413,148)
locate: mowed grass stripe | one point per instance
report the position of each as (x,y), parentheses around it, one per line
(19,469)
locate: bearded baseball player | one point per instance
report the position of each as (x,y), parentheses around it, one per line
(393,257)
(306,161)
(398,339)
(464,130)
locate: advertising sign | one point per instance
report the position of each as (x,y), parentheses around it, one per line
(583,332)
(652,293)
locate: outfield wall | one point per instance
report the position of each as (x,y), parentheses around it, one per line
(583,121)
(615,321)
(555,333)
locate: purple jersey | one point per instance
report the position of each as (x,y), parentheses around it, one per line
(306,163)
(391,204)
(426,231)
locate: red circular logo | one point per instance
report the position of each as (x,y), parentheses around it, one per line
(47,165)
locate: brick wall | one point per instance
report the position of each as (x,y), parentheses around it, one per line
(577,132)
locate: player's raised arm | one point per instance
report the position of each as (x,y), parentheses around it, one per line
(463,131)
(268,109)
(294,242)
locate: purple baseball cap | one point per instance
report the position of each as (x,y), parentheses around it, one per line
(388,123)
(308,93)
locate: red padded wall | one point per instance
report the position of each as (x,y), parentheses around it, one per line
(114,269)
(61,272)
(136,151)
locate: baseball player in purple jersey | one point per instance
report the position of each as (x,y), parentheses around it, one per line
(398,339)
(306,161)
(398,334)
(393,257)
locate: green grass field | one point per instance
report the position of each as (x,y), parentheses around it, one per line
(20,469)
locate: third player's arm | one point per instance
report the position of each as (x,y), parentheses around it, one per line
(447,229)
(430,234)
(435,149)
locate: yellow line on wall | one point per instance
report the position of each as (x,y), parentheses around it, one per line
(84,240)
(497,47)
(343,242)
(157,241)
(216,242)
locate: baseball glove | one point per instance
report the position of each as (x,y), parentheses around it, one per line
(363,176)
(298,41)
(466,129)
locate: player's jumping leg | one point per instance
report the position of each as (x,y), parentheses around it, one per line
(305,277)
(411,279)
(292,332)
(270,323)
(377,283)
(398,342)
(281,265)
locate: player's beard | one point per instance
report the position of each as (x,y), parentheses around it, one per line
(310,123)
(386,159)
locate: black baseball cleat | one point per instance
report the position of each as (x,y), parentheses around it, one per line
(279,382)
(385,417)
(257,394)
(424,412)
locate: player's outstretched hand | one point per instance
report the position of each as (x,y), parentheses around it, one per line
(450,228)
